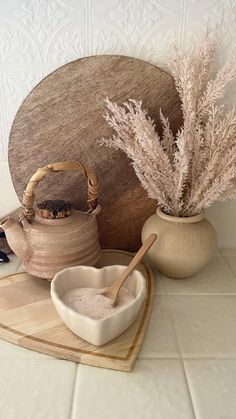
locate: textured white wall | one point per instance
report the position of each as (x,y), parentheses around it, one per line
(37,36)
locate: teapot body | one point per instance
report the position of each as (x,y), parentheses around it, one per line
(60,243)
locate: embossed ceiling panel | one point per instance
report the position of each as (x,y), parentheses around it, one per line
(38,36)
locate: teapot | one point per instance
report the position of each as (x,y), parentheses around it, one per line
(50,239)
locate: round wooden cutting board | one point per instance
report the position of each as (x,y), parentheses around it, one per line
(62,118)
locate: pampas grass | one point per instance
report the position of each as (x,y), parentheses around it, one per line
(188,171)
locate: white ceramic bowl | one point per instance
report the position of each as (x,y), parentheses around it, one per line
(97,332)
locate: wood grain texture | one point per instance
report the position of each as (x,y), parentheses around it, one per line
(62,118)
(39,327)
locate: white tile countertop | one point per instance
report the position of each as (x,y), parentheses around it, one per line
(186,367)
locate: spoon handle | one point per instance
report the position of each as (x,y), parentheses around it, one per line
(115,287)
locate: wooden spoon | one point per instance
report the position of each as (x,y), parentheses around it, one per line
(113,290)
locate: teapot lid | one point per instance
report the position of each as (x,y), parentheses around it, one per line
(54,209)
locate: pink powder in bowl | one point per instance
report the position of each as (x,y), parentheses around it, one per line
(90,302)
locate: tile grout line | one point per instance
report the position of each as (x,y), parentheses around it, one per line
(71,413)
(3,105)
(228,265)
(223,252)
(88,19)
(209,358)
(197,295)
(190,358)
(182,23)
(189,388)
(181,357)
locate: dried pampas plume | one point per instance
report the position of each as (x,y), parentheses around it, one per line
(188,171)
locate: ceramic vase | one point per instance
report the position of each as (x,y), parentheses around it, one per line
(184,245)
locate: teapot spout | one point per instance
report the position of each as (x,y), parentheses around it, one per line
(16,238)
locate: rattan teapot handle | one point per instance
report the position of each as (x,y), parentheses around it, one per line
(93,184)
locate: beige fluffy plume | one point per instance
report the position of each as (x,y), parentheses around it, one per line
(188,171)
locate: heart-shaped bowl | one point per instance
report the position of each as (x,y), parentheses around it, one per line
(97,332)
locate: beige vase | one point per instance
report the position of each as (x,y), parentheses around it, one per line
(183,245)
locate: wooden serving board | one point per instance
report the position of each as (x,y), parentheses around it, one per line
(62,118)
(28,318)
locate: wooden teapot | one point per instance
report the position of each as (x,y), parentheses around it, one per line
(47,243)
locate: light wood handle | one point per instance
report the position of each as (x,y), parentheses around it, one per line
(28,196)
(113,290)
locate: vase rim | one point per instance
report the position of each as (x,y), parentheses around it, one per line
(193,219)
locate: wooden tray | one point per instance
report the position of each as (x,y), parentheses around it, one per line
(62,118)
(28,318)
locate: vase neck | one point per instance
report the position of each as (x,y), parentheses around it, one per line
(170,218)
